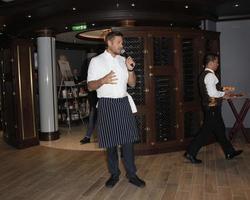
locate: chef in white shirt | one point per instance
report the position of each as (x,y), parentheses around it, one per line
(109,74)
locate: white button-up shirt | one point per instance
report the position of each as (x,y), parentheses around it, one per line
(210,81)
(102,65)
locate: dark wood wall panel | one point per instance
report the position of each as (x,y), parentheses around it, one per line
(18,101)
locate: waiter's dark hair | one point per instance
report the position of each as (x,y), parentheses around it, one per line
(111,35)
(209,57)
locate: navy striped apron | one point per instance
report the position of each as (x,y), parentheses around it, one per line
(116,124)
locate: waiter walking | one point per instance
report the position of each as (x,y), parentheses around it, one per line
(211,96)
(109,74)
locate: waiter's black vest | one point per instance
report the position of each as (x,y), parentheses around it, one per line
(206,100)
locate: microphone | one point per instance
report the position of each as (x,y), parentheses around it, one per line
(124,54)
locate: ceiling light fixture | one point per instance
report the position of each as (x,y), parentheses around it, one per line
(133,4)
(29,16)
(128,23)
(117,4)
(94,34)
(236,5)
(74,8)
(186,6)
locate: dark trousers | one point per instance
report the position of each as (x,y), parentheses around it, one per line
(92,122)
(128,158)
(213,124)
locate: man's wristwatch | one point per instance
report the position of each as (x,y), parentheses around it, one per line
(131,70)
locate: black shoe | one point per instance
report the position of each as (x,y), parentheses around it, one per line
(135,180)
(112,181)
(85,140)
(232,155)
(191,158)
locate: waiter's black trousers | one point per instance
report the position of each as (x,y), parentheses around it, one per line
(213,124)
(128,158)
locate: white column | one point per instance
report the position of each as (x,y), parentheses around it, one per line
(47,88)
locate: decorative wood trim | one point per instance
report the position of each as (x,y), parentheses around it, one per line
(20,89)
(32,93)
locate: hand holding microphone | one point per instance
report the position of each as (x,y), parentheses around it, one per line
(129,61)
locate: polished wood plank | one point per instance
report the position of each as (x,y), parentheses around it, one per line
(40,173)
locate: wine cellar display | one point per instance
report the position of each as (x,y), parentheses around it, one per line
(168,63)
(165,116)
(135,46)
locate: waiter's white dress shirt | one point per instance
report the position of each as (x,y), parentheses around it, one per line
(210,81)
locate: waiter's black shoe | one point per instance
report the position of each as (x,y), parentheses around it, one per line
(85,140)
(135,180)
(192,159)
(232,155)
(112,181)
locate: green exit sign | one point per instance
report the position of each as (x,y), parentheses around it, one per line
(79,27)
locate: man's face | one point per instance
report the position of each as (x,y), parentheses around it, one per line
(115,45)
(215,64)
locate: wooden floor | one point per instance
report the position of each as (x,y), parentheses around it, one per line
(70,139)
(42,173)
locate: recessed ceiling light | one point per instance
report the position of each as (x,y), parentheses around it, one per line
(1,33)
(133,4)
(74,8)
(66,27)
(186,6)
(117,4)
(236,5)
(171,24)
(93,24)
(29,16)
(4,25)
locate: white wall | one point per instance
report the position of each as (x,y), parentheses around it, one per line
(208,25)
(235,62)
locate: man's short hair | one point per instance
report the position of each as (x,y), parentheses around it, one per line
(209,57)
(111,35)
